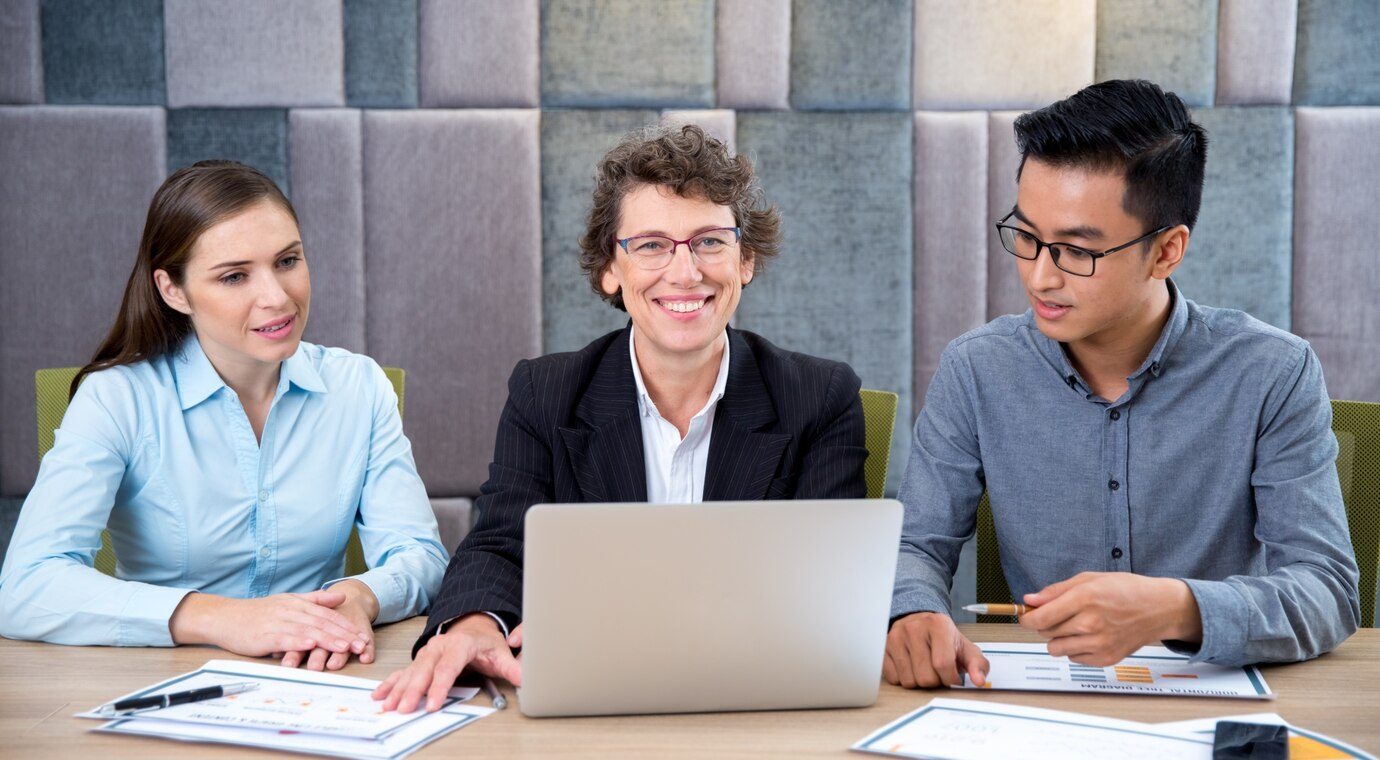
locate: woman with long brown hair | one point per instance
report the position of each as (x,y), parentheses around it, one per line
(229,459)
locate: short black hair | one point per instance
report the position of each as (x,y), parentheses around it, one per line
(1129,126)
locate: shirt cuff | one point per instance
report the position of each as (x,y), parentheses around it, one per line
(502,626)
(146,619)
(1224,614)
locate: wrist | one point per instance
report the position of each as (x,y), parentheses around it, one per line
(477,623)
(192,621)
(360,596)
(1184,621)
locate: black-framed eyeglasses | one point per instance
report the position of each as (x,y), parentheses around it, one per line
(1069,258)
(656,251)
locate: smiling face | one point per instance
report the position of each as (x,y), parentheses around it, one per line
(685,306)
(246,288)
(1083,207)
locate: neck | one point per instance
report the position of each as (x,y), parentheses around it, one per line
(253,381)
(680,380)
(1109,357)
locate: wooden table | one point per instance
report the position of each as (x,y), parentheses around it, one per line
(41,685)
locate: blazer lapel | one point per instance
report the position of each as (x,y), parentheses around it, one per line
(742,459)
(606,451)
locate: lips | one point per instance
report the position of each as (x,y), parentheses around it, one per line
(683,307)
(277,327)
(1049,309)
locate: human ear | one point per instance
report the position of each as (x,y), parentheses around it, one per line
(747,266)
(172,294)
(609,281)
(1173,244)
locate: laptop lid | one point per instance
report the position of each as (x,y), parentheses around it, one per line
(763,605)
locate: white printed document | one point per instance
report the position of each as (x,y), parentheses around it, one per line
(1151,670)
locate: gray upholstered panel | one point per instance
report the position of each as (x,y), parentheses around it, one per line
(326,149)
(21,53)
(453,517)
(842,286)
(77,186)
(720,123)
(479,53)
(1005,293)
(381,53)
(633,53)
(97,51)
(255,136)
(1255,52)
(951,231)
(753,53)
(1173,44)
(1240,252)
(1336,269)
(255,53)
(851,54)
(453,283)
(978,54)
(1337,53)
(572,143)
(9,517)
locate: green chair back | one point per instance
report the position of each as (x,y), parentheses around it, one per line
(1357,427)
(51,387)
(879,418)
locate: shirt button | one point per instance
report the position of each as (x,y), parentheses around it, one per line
(1116,553)
(1112,484)
(263,496)
(263,552)
(1115,415)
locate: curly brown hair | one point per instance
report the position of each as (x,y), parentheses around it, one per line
(692,164)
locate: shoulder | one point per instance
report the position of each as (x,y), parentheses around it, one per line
(343,369)
(1004,337)
(1245,341)
(780,367)
(551,385)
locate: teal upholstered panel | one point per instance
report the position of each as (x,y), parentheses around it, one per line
(77,183)
(842,286)
(1005,293)
(572,142)
(326,152)
(1240,252)
(255,136)
(21,53)
(951,231)
(97,51)
(452,238)
(978,54)
(1173,44)
(1336,269)
(753,53)
(633,53)
(719,123)
(479,53)
(255,53)
(1255,51)
(1337,58)
(381,53)
(9,517)
(851,54)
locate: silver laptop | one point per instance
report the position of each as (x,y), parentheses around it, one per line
(762,605)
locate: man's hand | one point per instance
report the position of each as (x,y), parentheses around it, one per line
(926,650)
(472,641)
(1100,618)
(360,607)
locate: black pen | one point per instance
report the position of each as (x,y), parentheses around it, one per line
(159,701)
(495,695)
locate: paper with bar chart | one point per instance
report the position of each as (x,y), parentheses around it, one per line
(1151,670)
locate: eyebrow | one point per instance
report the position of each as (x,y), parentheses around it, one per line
(228,264)
(700,231)
(1085,232)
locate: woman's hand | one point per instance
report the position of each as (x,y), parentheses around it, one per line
(277,623)
(361,607)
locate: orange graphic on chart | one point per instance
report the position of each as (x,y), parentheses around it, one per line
(1133,674)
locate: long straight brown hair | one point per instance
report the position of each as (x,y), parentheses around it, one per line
(189,202)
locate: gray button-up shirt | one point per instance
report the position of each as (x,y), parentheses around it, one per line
(1217,466)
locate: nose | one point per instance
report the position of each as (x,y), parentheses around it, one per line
(271,293)
(1042,274)
(683,270)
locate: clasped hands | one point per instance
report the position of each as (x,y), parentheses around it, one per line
(1093,619)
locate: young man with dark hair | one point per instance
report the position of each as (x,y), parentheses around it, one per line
(1159,471)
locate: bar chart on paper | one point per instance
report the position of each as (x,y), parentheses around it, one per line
(1151,670)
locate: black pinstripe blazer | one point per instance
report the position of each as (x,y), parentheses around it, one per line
(788,426)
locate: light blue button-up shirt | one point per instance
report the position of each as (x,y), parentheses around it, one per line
(1216,466)
(162,452)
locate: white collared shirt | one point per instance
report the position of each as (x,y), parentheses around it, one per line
(676,466)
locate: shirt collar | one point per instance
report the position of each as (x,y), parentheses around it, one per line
(1154,362)
(197,379)
(646,406)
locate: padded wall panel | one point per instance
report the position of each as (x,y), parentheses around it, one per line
(97,51)
(718,123)
(255,136)
(572,143)
(77,186)
(951,230)
(479,53)
(255,53)
(1240,252)
(381,53)
(326,151)
(851,54)
(453,519)
(842,286)
(633,53)
(985,54)
(753,53)
(1255,51)
(1005,293)
(9,517)
(1336,268)
(1173,45)
(1337,54)
(452,235)
(21,53)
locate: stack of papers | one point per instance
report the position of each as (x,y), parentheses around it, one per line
(292,710)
